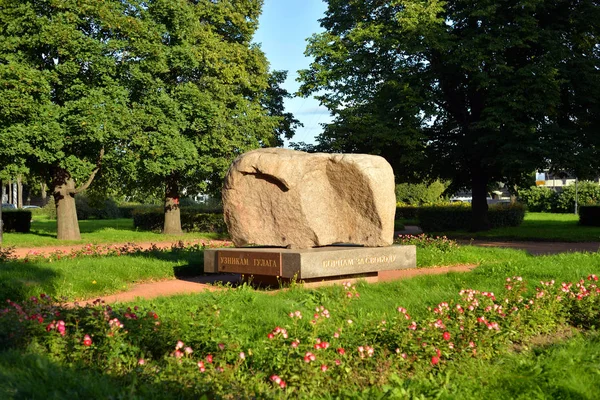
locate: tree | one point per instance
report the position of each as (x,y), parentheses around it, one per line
(485,91)
(59,69)
(198,90)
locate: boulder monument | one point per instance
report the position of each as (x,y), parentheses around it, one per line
(285,198)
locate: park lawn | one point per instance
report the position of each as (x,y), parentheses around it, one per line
(43,233)
(245,316)
(536,227)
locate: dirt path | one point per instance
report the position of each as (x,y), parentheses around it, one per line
(204,283)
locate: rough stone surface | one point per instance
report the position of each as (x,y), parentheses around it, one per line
(286,198)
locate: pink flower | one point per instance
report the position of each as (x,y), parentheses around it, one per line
(337,362)
(209,358)
(178,353)
(308,357)
(188,350)
(323,367)
(201,366)
(242,355)
(271,336)
(276,379)
(87,340)
(221,346)
(295,343)
(341,351)
(446,336)
(141,361)
(282,384)
(435,360)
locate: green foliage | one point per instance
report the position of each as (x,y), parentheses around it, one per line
(473,92)
(88,208)
(406,212)
(416,194)
(589,215)
(588,193)
(538,198)
(16,221)
(192,220)
(441,244)
(543,199)
(458,217)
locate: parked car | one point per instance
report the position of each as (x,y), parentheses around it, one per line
(9,206)
(26,207)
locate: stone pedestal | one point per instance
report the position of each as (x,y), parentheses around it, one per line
(323,264)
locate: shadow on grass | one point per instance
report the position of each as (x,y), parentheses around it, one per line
(20,280)
(35,376)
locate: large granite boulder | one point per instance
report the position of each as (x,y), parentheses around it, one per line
(286,198)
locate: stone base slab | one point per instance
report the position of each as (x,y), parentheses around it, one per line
(317,264)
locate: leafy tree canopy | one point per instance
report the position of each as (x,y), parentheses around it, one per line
(470,91)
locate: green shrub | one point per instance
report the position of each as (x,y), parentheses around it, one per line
(588,193)
(16,221)
(502,215)
(538,198)
(84,211)
(416,194)
(406,212)
(458,217)
(192,220)
(589,215)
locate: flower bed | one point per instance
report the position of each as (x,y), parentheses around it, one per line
(317,352)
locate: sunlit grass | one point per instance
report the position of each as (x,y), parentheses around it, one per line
(43,233)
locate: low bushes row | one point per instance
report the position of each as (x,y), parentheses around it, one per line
(16,221)
(544,199)
(458,217)
(192,220)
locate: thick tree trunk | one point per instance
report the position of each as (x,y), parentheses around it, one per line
(172,213)
(67,226)
(479,206)
(19,192)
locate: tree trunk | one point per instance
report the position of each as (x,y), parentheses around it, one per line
(172,213)
(43,190)
(19,192)
(479,206)
(67,226)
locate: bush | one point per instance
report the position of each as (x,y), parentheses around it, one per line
(16,221)
(419,193)
(84,211)
(458,217)
(588,193)
(406,212)
(589,215)
(538,198)
(192,220)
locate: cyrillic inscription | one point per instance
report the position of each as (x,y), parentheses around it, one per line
(249,262)
(350,262)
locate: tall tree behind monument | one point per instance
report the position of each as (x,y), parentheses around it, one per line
(484,90)
(59,70)
(197,87)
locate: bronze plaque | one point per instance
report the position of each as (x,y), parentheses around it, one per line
(249,262)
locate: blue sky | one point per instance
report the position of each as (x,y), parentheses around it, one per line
(284,27)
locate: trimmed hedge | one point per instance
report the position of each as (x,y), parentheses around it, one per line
(16,221)
(456,218)
(589,215)
(192,220)
(407,212)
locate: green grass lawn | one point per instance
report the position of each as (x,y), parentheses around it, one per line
(43,233)
(537,226)
(566,369)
